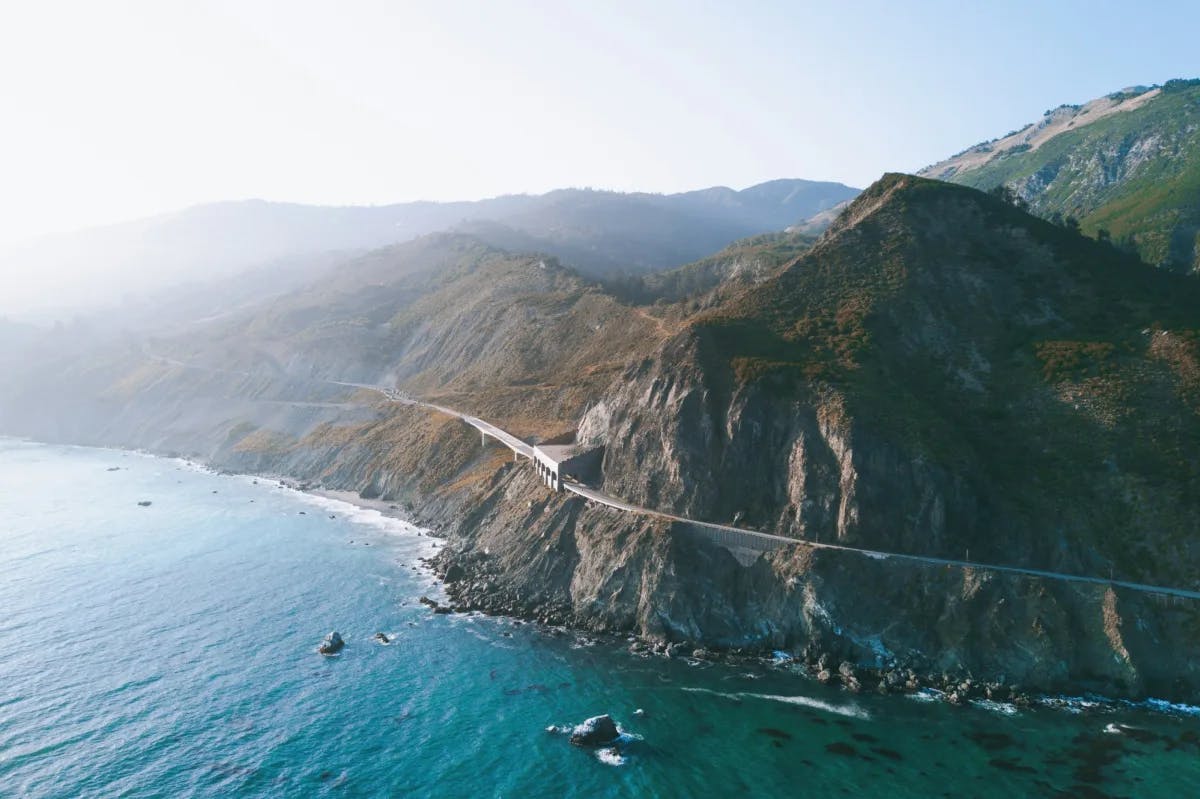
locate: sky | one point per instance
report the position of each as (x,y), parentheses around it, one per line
(127,108)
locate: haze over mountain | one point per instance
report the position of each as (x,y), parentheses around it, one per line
(601,233)
(939,372)
(1127,164)
(498,446)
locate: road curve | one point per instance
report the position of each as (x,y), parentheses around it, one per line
(770,541)
(765,541)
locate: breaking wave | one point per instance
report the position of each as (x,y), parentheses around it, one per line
(850,711)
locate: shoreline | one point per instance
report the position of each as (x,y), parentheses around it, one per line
(395,510)
(823,668)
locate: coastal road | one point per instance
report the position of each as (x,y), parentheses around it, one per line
(728,535)
(763,542)
(487,428)
(776,541)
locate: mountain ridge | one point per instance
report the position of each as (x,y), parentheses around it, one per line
(939,372)
(1132,175)
(601,233)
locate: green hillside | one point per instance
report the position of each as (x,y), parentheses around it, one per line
(1134,174)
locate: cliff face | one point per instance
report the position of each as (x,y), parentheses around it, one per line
(941,374)
(554,558)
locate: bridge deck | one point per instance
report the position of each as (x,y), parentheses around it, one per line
(741,542)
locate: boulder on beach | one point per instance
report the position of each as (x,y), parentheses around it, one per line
(596,731)
(332,644)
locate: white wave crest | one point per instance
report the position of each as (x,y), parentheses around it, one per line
(1163,706)
(359,515)
(611,756)
(1004,708)
(852,711)
(927,695)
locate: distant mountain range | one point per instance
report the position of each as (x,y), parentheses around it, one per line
(600,233)
(940,372)
(1125,166)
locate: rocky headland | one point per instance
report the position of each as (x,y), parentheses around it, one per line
(940,374)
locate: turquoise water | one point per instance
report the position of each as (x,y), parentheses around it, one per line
(169,650)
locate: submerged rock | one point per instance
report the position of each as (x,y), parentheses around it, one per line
(596,731)
(382,638)
(145,503)
(332,644)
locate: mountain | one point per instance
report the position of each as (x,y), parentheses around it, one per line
(1127,164)
(744,262)
(602,233)
(939,374)
(446,315)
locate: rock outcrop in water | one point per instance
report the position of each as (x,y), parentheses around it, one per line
(332,644)
(596,731)
(940,375)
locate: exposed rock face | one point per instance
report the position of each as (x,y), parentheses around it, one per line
(1016,406)
(332,644)
(940,374)
(941,401)
(1126,163)
(604,570)
(596,731)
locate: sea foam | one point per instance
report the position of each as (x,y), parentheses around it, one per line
(851,711)
(365,516)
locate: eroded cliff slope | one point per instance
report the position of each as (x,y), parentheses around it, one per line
(941,374)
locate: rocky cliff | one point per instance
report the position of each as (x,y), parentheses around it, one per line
(940,374)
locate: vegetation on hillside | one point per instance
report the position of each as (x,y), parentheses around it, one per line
(1053,373)
(1133,177)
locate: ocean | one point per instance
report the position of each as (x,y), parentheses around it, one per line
(169,650)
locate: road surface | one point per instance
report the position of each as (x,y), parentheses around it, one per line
(724,534)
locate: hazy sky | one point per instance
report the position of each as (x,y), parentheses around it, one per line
(113,110)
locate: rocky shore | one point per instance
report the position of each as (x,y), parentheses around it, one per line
(514,548)
(899,678)
(825,667)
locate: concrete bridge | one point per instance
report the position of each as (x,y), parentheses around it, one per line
(747,545)
(554,462)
